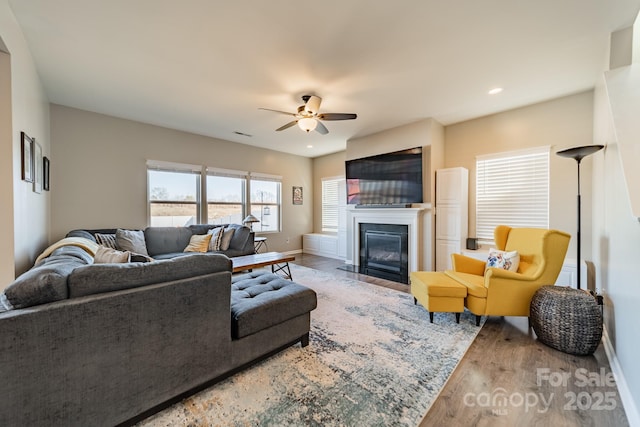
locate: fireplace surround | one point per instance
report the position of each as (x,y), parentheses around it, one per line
(417,220)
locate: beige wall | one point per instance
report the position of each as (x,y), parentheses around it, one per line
(99,172)
(25,214)
(427,133)
(561,123)
(331,165)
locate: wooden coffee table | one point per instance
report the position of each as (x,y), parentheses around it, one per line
(279,263)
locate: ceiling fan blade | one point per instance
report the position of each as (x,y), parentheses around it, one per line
(337,116)
(278,111)
(287,126)
(313,104)
(322,129)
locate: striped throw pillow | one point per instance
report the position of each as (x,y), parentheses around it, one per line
(107,240)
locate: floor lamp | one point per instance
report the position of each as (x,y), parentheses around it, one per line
(578,153)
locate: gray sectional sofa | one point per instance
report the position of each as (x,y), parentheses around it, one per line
(104,344)
(169,242)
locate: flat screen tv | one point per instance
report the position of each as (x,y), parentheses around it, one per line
(393,179)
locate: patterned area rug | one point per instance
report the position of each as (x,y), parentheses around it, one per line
(373,360)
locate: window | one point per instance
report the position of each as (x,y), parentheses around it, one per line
(265,203)
(225,199)
(330,204)
(512,189)
(174,194)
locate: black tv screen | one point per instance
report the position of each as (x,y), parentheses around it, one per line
(386,179)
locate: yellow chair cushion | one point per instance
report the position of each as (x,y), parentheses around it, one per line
(473,283)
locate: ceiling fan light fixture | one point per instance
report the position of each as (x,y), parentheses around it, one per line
(312,104)
(307,124)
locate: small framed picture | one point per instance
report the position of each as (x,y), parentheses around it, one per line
(45,173)
(27,157)
(37,167)
(297,195)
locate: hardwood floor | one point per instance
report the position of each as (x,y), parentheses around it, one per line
(509,378)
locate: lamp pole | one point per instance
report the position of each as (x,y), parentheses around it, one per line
(578,153)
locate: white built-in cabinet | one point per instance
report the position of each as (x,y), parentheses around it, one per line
(451,213)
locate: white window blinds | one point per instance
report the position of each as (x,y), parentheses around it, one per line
(512,189)
(330,205)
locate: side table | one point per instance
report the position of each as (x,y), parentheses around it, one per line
(260,244)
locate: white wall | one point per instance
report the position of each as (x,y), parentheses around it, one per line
(7,266)
(561,123)
(100,177)
(24,235)
(616,246)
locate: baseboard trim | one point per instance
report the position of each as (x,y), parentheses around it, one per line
(629,404)
(293,252)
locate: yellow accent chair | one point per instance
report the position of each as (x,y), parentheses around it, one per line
(499,292)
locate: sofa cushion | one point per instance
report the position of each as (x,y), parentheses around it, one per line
(198,243)
(227,235)
(107,240)
(46,282)
(474,283)
(99,278)
(240,237)
(105,255)
(261,300)
(163,240)
(216,238)
(132,241)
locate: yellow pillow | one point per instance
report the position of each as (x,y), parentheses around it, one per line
(198,243)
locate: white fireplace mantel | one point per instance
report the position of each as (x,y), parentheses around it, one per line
(417,219)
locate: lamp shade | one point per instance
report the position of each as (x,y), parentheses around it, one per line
(307,124)
(250,219)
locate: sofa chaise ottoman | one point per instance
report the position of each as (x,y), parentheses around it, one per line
(104,344)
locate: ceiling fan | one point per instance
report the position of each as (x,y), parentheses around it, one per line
(308,118)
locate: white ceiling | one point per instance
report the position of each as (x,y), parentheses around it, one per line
(206,66)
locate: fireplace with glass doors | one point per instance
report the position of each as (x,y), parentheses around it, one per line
(384,251)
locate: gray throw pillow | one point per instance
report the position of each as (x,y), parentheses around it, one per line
(226,238)
(132,241)
(47,282)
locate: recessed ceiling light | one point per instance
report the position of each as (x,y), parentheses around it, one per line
(309,146)
(495,90)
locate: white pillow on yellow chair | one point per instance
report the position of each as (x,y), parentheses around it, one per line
(503,259)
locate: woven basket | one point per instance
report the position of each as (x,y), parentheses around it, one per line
(567,319)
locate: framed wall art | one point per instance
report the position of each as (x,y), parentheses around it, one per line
(45,173)
(37,167)
(27,157)
(297,195)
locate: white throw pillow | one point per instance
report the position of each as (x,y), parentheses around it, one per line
(502,259)
(106,255)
